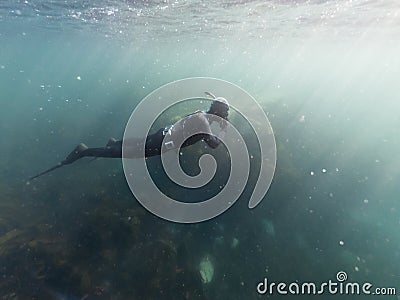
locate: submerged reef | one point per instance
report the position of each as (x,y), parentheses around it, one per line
(109,248)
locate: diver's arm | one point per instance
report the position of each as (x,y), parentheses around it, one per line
(212,141)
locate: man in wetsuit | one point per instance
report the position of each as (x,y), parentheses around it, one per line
(199,120)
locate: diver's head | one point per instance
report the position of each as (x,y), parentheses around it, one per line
(219,107)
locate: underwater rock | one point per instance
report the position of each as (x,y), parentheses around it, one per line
(206,269)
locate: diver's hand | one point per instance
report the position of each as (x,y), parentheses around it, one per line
(223,124)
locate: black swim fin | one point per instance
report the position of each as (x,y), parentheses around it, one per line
(73,156)
(47,171)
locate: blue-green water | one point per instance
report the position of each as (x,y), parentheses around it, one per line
(326,73)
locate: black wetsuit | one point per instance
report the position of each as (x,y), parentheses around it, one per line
(153,144)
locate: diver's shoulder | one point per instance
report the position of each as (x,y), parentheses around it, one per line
(197,114)
(201,115)
(197,118)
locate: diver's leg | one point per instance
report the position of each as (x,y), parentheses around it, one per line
(114,151)
(113,142)
(134,146)
(108,151)
(154,143)
(75,154)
